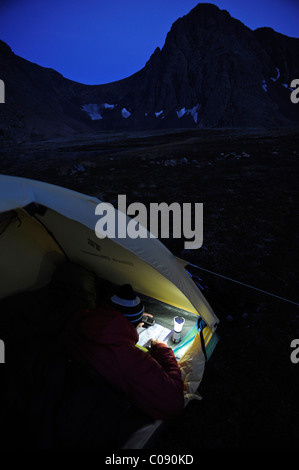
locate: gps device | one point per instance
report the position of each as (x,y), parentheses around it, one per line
(148,321)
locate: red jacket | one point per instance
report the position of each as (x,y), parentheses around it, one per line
(107,341)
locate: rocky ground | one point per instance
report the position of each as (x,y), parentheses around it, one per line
(248,183)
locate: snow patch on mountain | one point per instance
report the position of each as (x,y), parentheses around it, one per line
(109,106)
(93,110)
(125,113)
(193,111)
(181,112)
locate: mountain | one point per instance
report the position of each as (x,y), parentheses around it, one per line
(212,71)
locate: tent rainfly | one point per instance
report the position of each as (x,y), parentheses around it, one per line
(42,224)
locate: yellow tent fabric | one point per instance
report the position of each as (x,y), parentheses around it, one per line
(32,244)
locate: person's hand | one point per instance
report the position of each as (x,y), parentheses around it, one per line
(156,341)
(140,325)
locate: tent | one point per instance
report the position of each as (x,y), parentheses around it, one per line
(42,225)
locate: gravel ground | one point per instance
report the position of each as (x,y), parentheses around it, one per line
(248,182)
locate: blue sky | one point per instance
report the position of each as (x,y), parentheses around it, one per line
(99,41)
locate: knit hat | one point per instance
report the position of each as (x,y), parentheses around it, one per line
(128,303)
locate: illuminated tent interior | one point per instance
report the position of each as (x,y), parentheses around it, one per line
(43,226)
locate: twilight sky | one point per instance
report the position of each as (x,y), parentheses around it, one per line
(99,41)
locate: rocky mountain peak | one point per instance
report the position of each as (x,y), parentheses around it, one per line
(212,71)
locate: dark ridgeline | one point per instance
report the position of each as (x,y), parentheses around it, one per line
(212,72)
